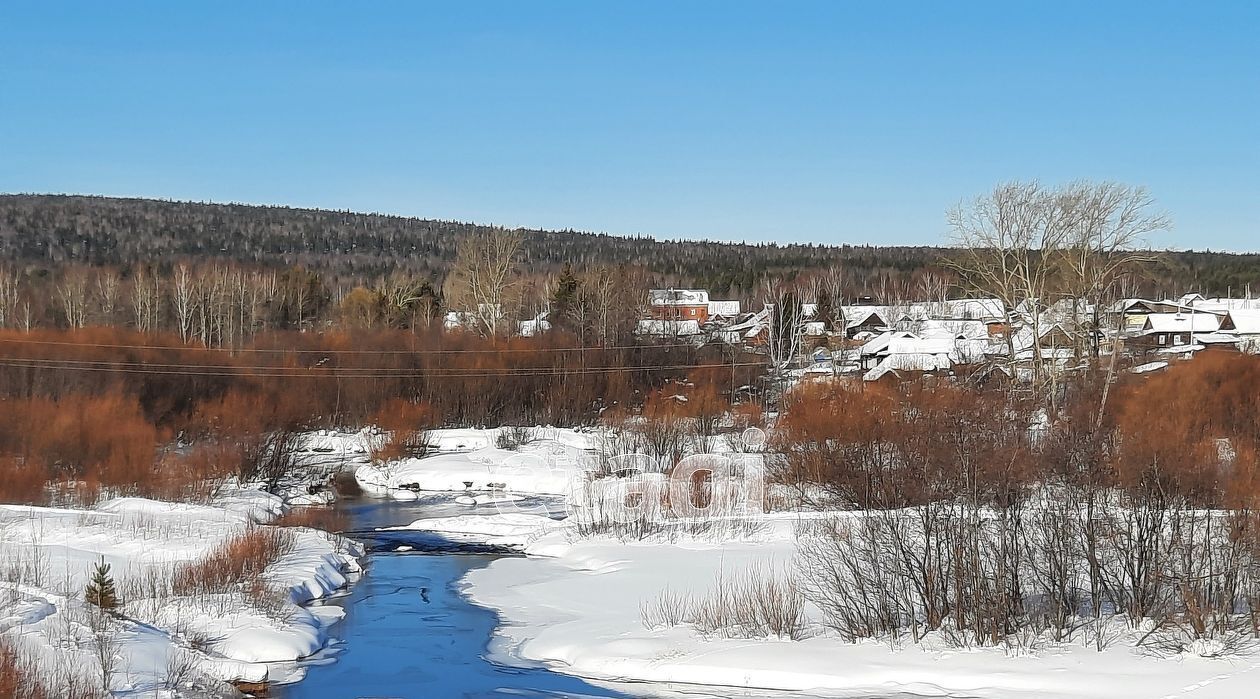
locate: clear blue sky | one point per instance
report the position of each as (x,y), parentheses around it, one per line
(827,122)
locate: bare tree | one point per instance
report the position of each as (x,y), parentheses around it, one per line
(108,285)
(1105,242)
(783,326)
(146,294)
(483,274)
(10,293)
(72,292)
(184,301)
(1006,240)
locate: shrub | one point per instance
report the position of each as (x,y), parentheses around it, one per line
(513,437)
(23,482)
(19,678)
(233,562)
(327,519)
(758,603)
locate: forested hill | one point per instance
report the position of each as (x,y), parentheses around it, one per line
(53,230)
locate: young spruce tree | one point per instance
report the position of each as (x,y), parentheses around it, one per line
(100,591)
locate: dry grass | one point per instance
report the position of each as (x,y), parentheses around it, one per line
(667,609)
(233,562)
(758,603)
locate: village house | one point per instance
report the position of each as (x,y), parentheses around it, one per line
(900,351)
(679,304)
(1160,331)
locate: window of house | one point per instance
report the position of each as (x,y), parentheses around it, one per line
(1178,339)
(1162,339)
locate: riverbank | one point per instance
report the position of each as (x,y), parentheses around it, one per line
(609,606)
(579,606)
(205,592)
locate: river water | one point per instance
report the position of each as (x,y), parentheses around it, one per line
(409,633)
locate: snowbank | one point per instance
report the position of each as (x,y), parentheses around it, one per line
(47,556)
(576,607)
(516,530)
(468,460)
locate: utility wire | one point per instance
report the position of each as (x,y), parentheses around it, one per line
(333,372)
(267,350)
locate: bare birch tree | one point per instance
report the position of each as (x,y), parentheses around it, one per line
(483,275)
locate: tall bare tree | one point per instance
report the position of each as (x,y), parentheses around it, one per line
(1006,241)
(1105,243)
(482,275)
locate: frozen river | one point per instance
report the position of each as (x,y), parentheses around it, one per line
(408,632)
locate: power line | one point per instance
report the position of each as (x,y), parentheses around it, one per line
(268,350)
(332,372)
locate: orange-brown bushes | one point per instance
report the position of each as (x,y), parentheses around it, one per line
(895,445)
(102,440)
(23,482)
(232,562)
(336,378)
(1188,431)
(316,517)
(408,423)
(18,678)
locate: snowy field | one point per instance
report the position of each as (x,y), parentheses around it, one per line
(577,603)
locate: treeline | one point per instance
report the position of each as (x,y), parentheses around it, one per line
(220,304)
(46,232)
(990,522)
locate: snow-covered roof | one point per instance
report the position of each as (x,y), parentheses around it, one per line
(1243,321)
(1221,305)
(1022,340)
(908,362)
(942,328)
(724,308)
(537,324)
(1148,367)
(1221,338)
(1181,349)
(1181,322)
(893,343)
(974,351)
(862,315)
(678,297)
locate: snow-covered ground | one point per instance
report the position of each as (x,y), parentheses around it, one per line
(576,604)
(467,459)
(161,641)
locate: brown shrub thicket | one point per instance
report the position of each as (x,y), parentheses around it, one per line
(408,424)
(992,523)
(326,519)
(18,678)
(233,562)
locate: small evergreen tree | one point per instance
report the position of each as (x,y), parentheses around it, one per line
(100,591)
(564,298)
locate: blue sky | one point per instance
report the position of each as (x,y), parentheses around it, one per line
(827,122)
